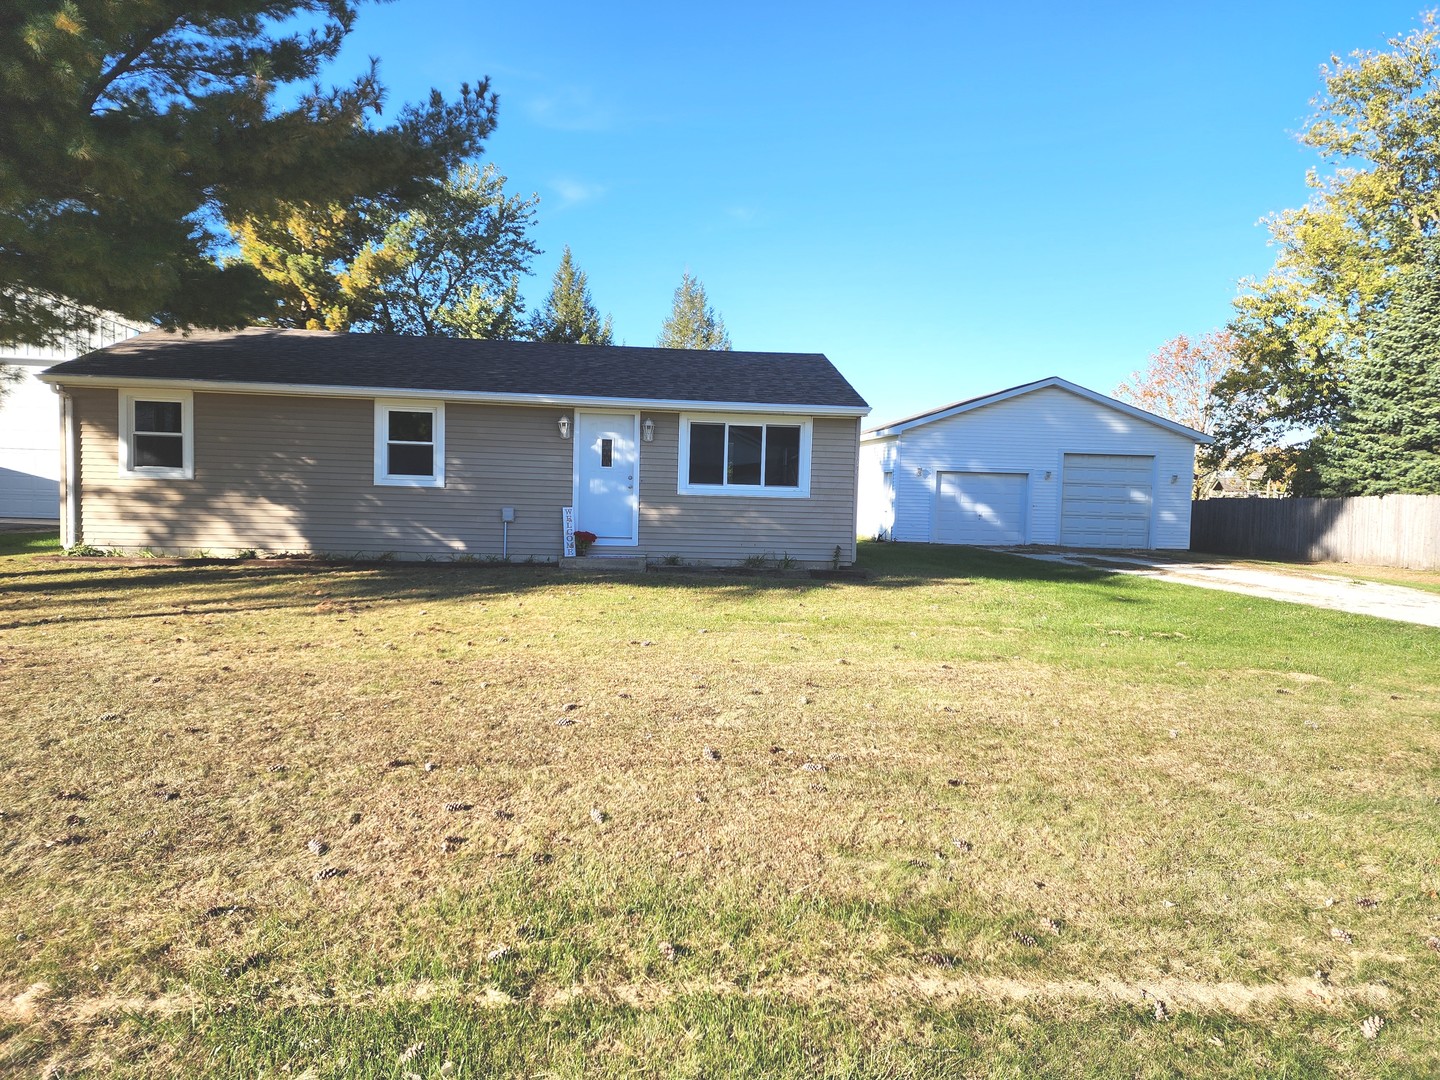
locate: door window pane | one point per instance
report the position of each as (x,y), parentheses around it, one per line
(707,453)
(607,452)
(745,443)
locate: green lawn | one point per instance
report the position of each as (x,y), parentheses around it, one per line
(972,816)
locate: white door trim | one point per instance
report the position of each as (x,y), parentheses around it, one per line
(634,417)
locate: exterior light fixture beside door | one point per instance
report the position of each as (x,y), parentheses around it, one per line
(647,430)
(564,425)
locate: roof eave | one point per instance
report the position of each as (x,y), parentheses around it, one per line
(476,396)
(947,411)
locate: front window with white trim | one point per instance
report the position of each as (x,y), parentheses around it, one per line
(410,443)
(157,434)
(745,455)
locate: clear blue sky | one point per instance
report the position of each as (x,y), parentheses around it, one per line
(945,198)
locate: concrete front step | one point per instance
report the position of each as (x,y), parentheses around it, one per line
(604,564)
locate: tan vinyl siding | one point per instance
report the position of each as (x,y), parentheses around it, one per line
(278,473)
(725,528)
(297,474)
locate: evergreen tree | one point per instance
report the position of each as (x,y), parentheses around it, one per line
(450,265)
(569,314)
(1304,329)
(1388,438)
(10,376)
(130,131)
(693,323)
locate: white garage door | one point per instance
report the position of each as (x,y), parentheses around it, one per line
(1106,501)
(981,508)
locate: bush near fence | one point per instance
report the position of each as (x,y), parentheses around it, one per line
(1382,530)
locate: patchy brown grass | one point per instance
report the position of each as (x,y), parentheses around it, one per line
(1429,580)
(968,786)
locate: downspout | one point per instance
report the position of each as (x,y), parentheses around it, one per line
(70,474)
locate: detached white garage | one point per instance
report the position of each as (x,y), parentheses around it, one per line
(1048,462)
(30,422)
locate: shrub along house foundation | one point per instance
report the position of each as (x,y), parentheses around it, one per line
(368,445)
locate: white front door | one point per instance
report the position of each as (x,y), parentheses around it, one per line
(607,476)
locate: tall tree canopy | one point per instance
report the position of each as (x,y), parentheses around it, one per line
(448,265)
(1177,384)
(10,377)
(569,314)
(130,131)
(1388,436)
(1177,381)
(693,323)
(1304,327)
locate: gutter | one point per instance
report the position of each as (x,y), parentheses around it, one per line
(70,471)
(478,396)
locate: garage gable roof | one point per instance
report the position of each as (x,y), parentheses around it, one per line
(524,372)
(947,411)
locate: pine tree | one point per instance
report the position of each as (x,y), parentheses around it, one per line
(10,377)
(1388,438)
(693,323)
(130,131)
(449,265)
(569,314)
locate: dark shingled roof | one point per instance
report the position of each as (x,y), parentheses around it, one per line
(320,358)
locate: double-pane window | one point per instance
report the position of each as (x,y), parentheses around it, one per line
(156,436)
(410,445)
(738,455)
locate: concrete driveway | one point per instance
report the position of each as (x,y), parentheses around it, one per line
(1298,587)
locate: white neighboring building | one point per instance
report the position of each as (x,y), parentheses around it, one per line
(1047,463)
(30,423)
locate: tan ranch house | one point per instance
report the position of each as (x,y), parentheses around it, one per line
(368,445)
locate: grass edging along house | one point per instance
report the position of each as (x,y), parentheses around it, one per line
(369,445)
(1048,462)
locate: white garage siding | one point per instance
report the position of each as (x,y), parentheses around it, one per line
(30,450)
(30,423)
(1031,433)
(981,508)
(875,495)
(1106,500)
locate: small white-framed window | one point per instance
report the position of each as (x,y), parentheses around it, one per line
(410,443)
(768,456)
(157,434)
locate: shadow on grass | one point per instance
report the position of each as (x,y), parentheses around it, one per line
(288,586)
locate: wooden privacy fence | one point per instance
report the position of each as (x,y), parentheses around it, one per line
(1384,530)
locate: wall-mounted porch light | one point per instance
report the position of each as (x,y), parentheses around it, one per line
(647,430)
(564,425)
